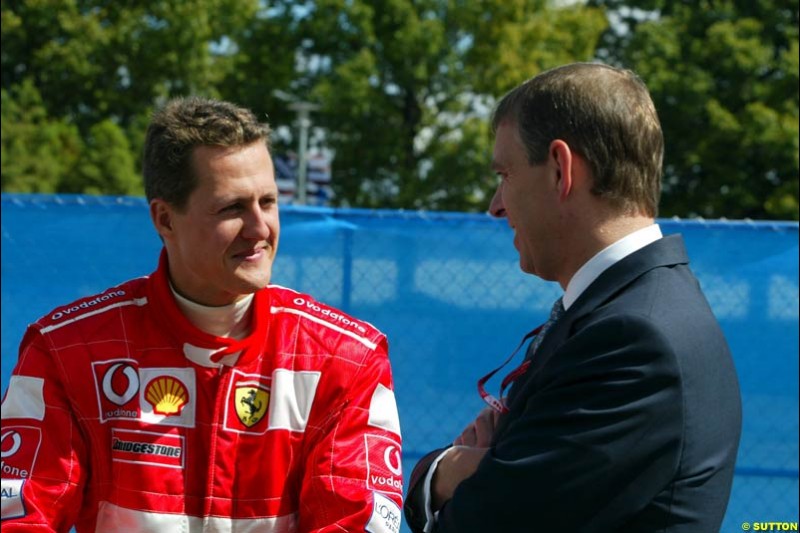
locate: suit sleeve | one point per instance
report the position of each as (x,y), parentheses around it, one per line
(595,441)
(43,450)
(417,507)
(353,478)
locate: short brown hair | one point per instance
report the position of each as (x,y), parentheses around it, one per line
(603,113)
(180,126)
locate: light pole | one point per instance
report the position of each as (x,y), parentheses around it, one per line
(303,110)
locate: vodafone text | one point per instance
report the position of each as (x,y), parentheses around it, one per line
(9,470)
(332,314)
(390,481)
(86,305)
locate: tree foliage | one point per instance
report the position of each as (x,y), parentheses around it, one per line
(38,152)
(724,77)
(86,72)
(401,83)
(404,87)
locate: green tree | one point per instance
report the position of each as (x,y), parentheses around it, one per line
(108,166)
(405,88)
(260,61)
(401,84)
(100,68)
(92,60)
(38,152)
(724,76)
(45,155)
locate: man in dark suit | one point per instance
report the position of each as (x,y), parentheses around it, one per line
(625,414)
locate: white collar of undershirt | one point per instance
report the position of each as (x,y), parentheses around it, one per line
(598,264)
(225,321)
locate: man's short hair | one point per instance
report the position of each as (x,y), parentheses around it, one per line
(183,124)
(604,114)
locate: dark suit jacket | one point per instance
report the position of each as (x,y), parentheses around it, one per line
(628,418)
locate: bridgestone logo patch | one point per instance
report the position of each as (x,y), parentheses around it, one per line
(147,448)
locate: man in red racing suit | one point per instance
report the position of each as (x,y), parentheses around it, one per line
(123,415)
(144,430)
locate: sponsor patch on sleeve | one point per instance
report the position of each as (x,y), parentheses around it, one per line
(19,447)
(385,515)
(13,505)
(384,464)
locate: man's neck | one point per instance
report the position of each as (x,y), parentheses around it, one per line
(231,320)
(598,235)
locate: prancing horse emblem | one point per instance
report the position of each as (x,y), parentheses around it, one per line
(251,404)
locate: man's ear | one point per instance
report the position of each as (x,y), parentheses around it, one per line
(561,158)
(162,214)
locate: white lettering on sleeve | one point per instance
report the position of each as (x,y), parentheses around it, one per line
(385,515)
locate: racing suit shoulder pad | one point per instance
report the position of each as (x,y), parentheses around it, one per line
(288,300)
(131,292)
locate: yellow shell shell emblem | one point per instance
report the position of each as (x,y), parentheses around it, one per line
(167,395)
(251,404)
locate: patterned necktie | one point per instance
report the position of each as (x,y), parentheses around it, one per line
(555,314)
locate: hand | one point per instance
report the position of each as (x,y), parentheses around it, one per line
(479,432)
(459,463)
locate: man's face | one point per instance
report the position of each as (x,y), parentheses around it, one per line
(527,197)
(222,245)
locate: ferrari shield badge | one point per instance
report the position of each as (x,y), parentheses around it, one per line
(251,404)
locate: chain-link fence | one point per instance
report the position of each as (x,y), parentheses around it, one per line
(447,290)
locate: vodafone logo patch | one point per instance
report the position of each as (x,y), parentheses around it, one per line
(10,441)
(384,464)
(131,380)
(117,387)
(392,460)
(19,447)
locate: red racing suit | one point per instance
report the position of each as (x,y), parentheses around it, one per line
(122,416)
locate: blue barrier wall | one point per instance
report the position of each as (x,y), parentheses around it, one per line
(447,290)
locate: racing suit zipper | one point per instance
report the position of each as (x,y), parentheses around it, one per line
(220,389)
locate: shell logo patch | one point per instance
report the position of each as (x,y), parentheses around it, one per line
(251,404)
(167,395)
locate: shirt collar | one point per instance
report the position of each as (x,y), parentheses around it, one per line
(199,346)
(604,259)
(223,321)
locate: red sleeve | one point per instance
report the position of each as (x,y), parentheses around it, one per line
(43,451)
(353,479)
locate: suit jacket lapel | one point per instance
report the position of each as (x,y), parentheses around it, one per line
(667,251)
